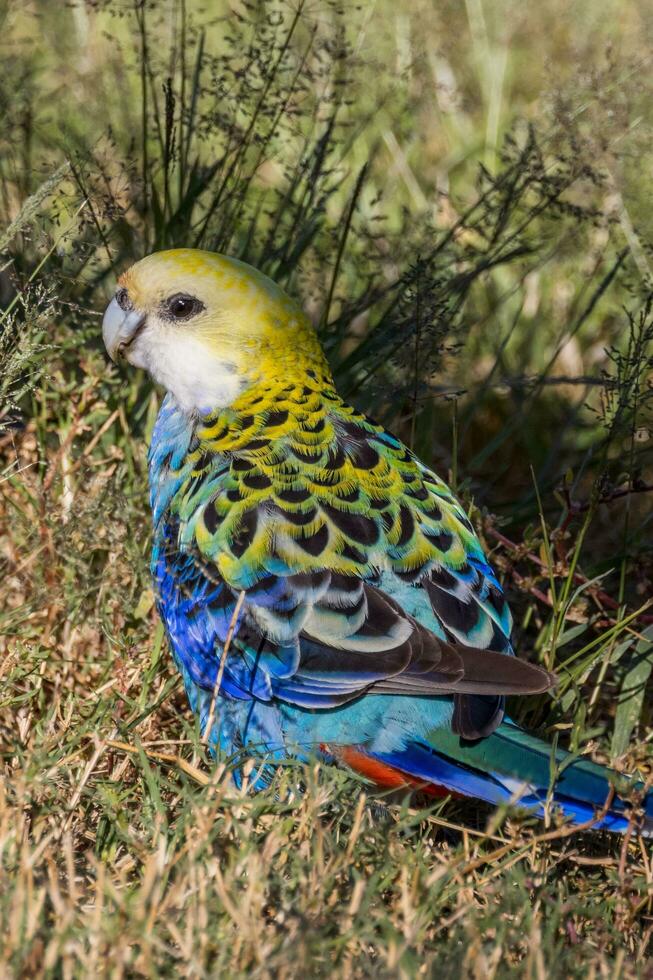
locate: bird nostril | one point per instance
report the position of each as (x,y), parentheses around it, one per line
(123,300)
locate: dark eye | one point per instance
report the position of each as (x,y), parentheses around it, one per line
(182,307)
(123,300)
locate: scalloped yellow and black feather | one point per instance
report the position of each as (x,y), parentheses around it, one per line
(295,497)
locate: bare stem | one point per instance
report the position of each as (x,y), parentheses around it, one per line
(223,660)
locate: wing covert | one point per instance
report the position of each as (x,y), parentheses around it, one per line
(308,507)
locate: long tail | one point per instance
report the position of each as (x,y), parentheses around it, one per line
(508,765)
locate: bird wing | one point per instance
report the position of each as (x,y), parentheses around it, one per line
(326,522)
(353,639)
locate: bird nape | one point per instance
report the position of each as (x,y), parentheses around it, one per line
(322,589)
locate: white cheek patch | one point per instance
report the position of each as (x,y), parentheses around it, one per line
(186,367)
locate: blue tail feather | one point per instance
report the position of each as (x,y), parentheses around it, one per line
(512,766)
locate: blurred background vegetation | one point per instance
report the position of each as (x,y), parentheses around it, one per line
(458,194)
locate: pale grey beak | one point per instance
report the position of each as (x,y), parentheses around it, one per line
(120,328)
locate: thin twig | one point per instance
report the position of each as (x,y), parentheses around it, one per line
(578,577)
(100,749)
(223,660)
(550,835)
(167,757)
(607,498)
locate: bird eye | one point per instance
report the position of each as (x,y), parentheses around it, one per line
(123,300)
(182,307)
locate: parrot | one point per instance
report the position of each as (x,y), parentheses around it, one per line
(323,592)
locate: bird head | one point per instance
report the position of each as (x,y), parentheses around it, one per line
(207,327)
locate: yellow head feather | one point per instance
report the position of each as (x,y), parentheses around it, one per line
(241,328)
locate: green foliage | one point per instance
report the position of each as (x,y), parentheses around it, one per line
(469,229)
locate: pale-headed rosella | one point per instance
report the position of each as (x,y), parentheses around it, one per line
(364,623)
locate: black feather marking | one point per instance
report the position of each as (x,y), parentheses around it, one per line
(351,497)
(372,576)
(257,481)
(241,465)
(387,520)
(211,518)
(297,517)
(336,460)
(455,614)
(263,585)
(358,600)
(245,533)
(381,616)
(442,540)
(315,543)
(418,493)
(364,456)
(224,599)
(308,580)
(325,479)
(345,583)
(499,639)
(407,526)
(294,496)
(276,417)
(356,526)
(444,579)
(220,434)
(254,445)
(497,600)
(306,455)
(353,429)
(354,554)
(234,496)
(411,575)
